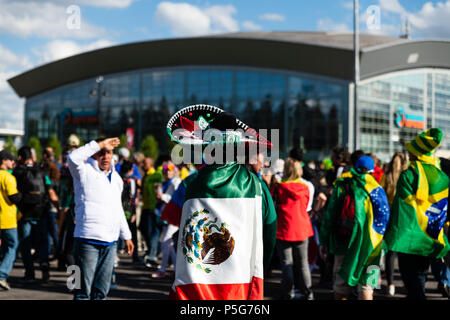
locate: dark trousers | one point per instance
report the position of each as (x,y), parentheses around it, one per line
(413,269)
(390,260)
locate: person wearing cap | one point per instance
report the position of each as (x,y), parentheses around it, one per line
(352,229)
(99,215)
(419,212)
(9,196)
(228,223)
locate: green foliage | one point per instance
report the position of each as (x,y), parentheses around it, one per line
(10,146)
(123,141)
(149,147)
(55,145)
(35,144)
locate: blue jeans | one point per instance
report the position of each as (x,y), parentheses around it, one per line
(151,231)
(25,228)
(49,230)
(96,264)
(10,241)
(440,271)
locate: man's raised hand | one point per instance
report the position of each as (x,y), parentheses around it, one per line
(109,144)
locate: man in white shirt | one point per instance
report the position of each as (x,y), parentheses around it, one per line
(99,216)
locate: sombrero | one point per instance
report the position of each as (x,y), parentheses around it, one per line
(205,124)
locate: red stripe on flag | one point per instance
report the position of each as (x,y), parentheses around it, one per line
(233,291)
(172,214)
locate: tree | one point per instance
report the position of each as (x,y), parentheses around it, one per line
(55,145)
(149,147)
(35,144)
(10,146)
(123,141)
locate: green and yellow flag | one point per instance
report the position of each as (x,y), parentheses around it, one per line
(371,218)
(419,212)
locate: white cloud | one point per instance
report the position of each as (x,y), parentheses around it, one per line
(392,6)
(250,25)
(185,19)
(431,21)
(327,24)
(348,5)
(11,106)
(59,49)
(272,17)
(118,4)
(46,20)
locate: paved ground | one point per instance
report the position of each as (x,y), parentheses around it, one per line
(134,282)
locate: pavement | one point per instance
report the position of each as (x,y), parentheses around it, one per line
(134,282)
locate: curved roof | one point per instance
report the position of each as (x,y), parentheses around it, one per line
(323,53)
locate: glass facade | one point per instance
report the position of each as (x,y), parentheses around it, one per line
(394,108)
(307,110)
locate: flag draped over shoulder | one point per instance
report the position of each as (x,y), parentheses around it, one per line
(419,211)
(220,245)
(371,218)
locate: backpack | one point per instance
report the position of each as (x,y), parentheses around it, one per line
(30,182)
(346,219)
(128,195)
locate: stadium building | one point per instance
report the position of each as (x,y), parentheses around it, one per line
(298,82)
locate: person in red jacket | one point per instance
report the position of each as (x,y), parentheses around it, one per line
(291,197)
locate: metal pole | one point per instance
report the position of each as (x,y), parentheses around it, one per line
(356,75)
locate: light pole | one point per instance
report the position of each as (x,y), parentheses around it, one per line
(356,73)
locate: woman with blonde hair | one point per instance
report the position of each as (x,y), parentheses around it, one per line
(397,165)
(291,196)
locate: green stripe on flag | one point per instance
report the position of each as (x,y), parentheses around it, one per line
(229,180)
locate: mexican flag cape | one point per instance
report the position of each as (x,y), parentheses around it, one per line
(419,212)
(371,217)
(220,245)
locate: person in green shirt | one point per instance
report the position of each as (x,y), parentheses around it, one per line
(419,212)
(149,225)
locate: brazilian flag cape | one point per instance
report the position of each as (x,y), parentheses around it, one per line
(363,251)
(419,211)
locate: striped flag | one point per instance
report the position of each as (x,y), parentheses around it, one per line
(371,219)
(220,245)
(419,212)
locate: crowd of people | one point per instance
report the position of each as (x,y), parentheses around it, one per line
(339,216)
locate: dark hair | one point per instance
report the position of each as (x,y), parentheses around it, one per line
(296,154)
(356,155)
(126,166)
(341,154)
(47,153)
(25,153)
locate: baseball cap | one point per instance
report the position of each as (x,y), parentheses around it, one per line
(124,152)
(365,162)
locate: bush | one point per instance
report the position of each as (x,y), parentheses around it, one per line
(149,147)
(10,146)
(55,145)
(35,144)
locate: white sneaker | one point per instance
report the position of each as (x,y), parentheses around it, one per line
(391,290)
(116,261)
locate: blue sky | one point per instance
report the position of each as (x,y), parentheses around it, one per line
(35,32)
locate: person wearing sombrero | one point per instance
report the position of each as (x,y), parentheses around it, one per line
(228,222)
(419,211)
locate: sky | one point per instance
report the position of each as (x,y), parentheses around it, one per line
(36,32)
